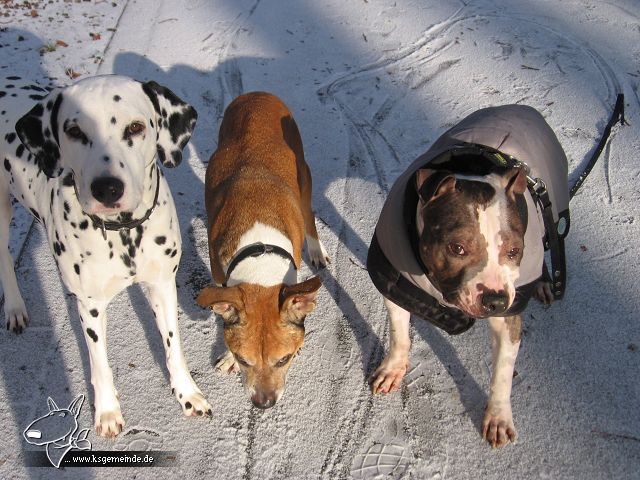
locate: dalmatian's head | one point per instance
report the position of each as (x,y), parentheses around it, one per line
(107,131)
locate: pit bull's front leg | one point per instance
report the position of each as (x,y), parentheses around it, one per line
(497,426)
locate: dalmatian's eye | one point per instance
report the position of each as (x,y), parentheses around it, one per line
(135,128)
(74,132)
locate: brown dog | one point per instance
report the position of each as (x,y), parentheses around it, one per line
(258,199)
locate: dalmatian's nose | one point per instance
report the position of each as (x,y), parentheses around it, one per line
(107,190)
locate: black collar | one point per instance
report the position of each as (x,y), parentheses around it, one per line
(257,250)
(125,224)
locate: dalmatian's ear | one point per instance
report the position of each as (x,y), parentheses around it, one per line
(174,122)
(38,131)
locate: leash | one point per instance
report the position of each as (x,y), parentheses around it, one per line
(618,115)
(556,232)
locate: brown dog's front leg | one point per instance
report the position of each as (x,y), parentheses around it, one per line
(497,426)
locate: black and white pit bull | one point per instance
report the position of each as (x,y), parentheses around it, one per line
(460,237)
(85,161)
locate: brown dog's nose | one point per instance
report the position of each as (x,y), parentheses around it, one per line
(495,302)
(264,400)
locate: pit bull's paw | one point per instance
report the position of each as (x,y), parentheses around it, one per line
(226,364)
(317,254)
(497,426)
(543,292)
(109,424)
(388,376)
(16,317)
(195,405)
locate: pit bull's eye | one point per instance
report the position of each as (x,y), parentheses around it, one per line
(283,361)
(513,253)
(135,128)
(457,249)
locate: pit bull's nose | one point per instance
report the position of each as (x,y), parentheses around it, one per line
(264,400)
(107,190)
(495,302)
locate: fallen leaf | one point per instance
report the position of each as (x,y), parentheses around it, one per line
(71,73)
(61,43)
(95,36)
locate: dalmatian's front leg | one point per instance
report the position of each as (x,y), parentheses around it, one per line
(163,298)
(108,417)
(497,426)
(15,311)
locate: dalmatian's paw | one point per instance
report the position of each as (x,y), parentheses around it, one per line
(109,423)
(16,316)
(226,364)
(317,253)
(195,404)
(497,426)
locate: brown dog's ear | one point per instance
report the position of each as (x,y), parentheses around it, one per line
(516,181)
(299,300)
(431,184)
(226,302)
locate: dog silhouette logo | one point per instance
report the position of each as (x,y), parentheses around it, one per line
(58,430)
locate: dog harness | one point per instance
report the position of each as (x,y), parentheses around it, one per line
(498,138)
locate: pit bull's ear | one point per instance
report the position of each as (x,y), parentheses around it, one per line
(516,181)
(174,122)
(226,302)
(431,184)
(38,131)
(299,300)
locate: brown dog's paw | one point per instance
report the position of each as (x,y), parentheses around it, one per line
(543,292)
(388,376)
(497,426)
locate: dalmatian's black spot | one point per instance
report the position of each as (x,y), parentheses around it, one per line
(180,396)
(57,249)
(174,253)
(83,225)
(75,133)
(187,405)
(20,151)
(167,251)
(161,155)
(121,165)
(113,120)
(106,158)
(168,343)
(2,94)
(126,260)
(14,77)
(170,333)
(130,143)
(175,268)
(67,181)
(10,85)
(160,240)
(66,207)
(35,96)
(151,122)
(117,98)
(35,214)
(94,312)
(10,137)
(92,334)
(7,165)
(176,156)
(76,267)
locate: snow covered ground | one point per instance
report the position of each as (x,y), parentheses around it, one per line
(371,83)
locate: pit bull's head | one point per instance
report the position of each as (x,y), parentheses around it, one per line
(472,237)
(263,329)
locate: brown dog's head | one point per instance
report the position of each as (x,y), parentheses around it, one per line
(263,329)
(472,237)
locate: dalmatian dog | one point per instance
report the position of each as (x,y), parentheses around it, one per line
(85,162)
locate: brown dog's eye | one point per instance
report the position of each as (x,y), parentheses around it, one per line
(457,249)
(135,128)
(283,361)
(513,253)
(241,361)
